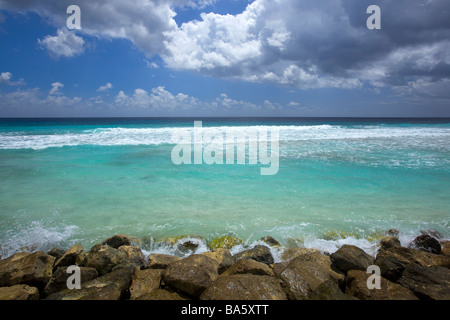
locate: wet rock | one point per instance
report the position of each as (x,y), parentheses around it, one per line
(329,290)
(160,261)
(103,258)
(144,282)
(56,252)
(350,257)
(279,267)
(394,260)
(34,269)
(225,242)
(393,232)
(73,256)
(184,244)
(244,287)
(118,240)
(427,243)
(270,241)
(445,248)
(259,253)
(249,266)
(305,273)
(19,292)
(222,256)
(58,281)
(134,255)
(427,282)
(338,235)
(356,285)
(292,253)
(433,233)
(389,242)
(192,275)
(112,286)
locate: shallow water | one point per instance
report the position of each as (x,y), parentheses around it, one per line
(82,180)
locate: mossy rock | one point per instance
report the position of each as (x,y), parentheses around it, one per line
(377,236)
(337,235)
(225,242)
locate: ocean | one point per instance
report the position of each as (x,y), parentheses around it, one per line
(68,181)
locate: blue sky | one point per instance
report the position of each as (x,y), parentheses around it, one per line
(224,58)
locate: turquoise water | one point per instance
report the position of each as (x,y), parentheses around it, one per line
(81,180)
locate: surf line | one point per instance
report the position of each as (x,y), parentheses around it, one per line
(230,146)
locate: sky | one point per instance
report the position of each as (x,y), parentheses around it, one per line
(234,58)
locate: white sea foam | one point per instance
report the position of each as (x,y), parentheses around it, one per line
(157,136)
(34,237)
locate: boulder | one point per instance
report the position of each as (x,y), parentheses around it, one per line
(305,273)
(58,281)
(350,257)
(292,253)
(34,269)
(427,243)
(389,242)
(244,287)
(394,260)
(222,256)
(356,285)
(160,261)
(144,282)
(427,282)
(279,267)
(134,255)
(225,242)
(192,275)
(73,256)
(56,252)
(329,290)
(259,253)
(103,258)
(161,294)
(111,286)
(118,240)
(445,248)
(19,292)
(249,266)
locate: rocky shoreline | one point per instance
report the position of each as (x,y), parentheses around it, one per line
(117,269)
